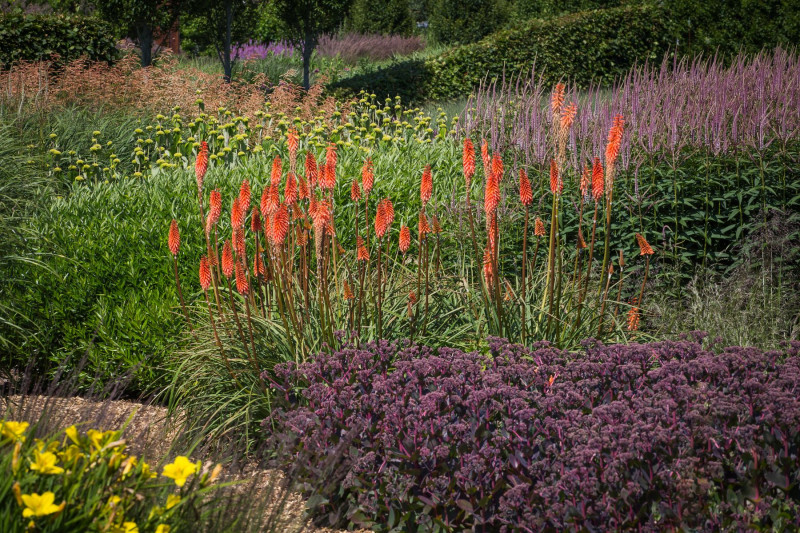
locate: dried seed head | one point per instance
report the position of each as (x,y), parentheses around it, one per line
(621,260)
(581,242)
(174,238)
(258,267)
(586,180)
(435,226)
(525,191)
(644,247)
(485,156)
(367,177)
(405,239)
(488,266)
(509,292)
(227,259)
(426,185)
(412,297)
(205,274)
(538,227)
(277,171)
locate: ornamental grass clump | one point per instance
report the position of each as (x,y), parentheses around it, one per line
(644,437)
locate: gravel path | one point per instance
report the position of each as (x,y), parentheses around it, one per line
(149,434)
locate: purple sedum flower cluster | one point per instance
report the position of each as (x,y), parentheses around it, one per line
(641,437)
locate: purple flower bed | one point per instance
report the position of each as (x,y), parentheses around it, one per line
(255,50)
(639,437)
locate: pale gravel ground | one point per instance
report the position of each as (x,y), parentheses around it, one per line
(149,434)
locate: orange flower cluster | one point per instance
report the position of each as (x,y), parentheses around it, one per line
(633,319)
(525,191)
(538,227)
(405,239)
(174,239)
(367,177)
(468,161)
(201,166)
(644,247)
(597,180)
(384,217)
(426,186)
(556,184)
(557,101)
(205,274)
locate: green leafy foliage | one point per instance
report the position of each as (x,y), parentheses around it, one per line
(583,47)
(39,37)
(389,18)
(466,21)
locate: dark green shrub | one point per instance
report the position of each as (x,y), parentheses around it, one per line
(583,47)
(392,17)
(528,9)
(466,21)
(38,37)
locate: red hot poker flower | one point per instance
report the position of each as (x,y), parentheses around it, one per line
(205,274)
(174,240)
(633,319)
(255,221)
(201,165)
(280,225)
(426,185)
(258,267)
(497,167)
(367,177)
(644,247)
(557,100)
(355,191)
(568,116)
(239,242)
(586,180)
(485,156)
(538,227)
(290,190)
(227,259)
(525,191)
(405,239)
(362,252)
(244,196)
(468,161)
(215,206)
(237,216)
(241,279)
(556,185)
(277,171)
(598,185)
(311,169)
(491,197)
(292,142)
(423,228)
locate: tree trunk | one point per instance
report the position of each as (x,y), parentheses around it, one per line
(227,63)
(309,43)
(145,34)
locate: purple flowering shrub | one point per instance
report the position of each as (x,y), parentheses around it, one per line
(639,437)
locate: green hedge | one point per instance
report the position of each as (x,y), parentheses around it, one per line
(38,37)
(581,47)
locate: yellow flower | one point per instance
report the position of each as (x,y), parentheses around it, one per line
(130,527)
(13,430)
(70,454)
(17,493)
(72,433)
(128,465)
(162,528)
(15,456)
(45,463)
(43,505)
(179,470)
(173,500)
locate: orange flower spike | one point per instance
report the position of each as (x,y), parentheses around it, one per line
(491,195)
(205,274)
(290,190)
(280,225)
(423,228)
(598,185)
(633,319)
(273,199)
(614,139)
(568,116)
(302,189)
(215,206)
(525,191)
(244,196)
(292,142)
(330,154)
(355,191)
(389,210)
(174,239)
(237,217)
(644,247)
(258,266)
(277,171)
(557,100)
(497,167)
(468,161)
(556,185)
(347,291)
(239,242)
(488,272)
(227,260)
(311,169)
(586,180)
(405,239)
(367,177)
(362,254)
(538,227)
(241,279)
(485,155)
(426,185)
(201,165)
(255,221)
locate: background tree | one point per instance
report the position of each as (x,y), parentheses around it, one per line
(465,21)
(392,17)
(218,24)
(139,20)
(306,20)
